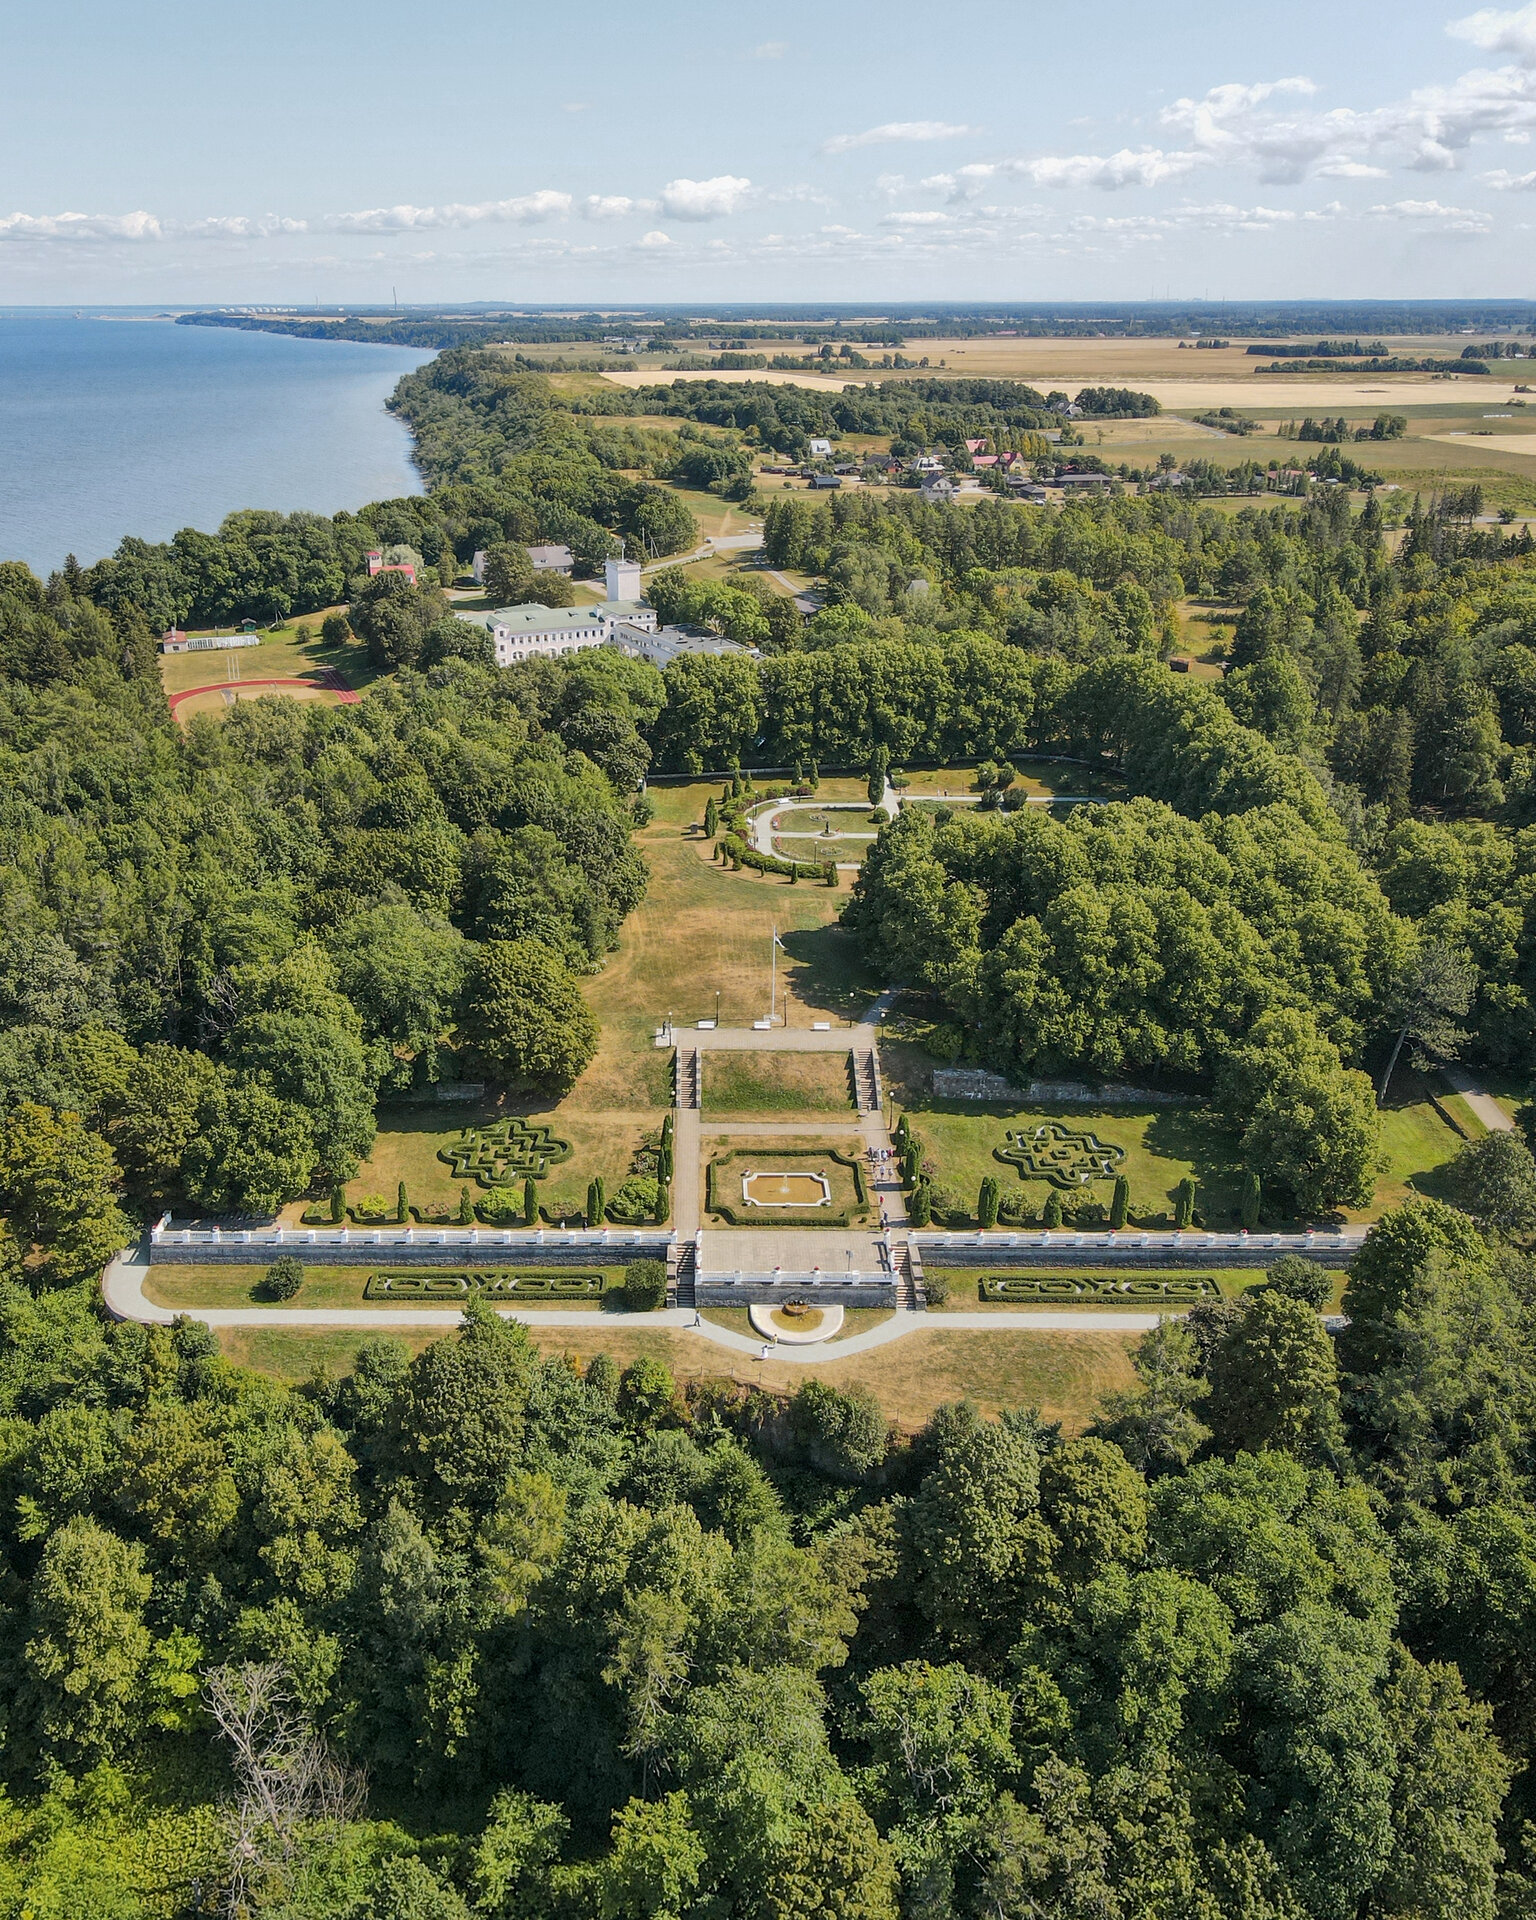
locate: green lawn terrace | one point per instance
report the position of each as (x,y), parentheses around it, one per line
(444,1151)
(967,1141)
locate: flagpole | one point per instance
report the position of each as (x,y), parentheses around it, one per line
(773,972)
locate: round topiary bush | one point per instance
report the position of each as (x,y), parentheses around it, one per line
(284,1277)
(645,1286)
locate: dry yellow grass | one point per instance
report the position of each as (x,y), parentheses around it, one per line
(1065,1375)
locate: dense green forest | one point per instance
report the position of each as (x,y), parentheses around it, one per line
(223,944)
(476,1634)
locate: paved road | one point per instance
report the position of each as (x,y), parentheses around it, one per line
(721,543)
(1487,1109)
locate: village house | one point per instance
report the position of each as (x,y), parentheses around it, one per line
(377,564)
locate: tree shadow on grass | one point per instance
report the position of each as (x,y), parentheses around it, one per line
(829,975)
(1210,1148)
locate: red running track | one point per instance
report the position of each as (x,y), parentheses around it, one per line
(329,682)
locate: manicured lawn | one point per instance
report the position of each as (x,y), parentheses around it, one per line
(410,1139)
(278,655)
(1162,1145)
(849,851)
(294,1354)
(1035,776)
(231,1286)
(702,930)
(775,1083)
(1417,1143)
(1065,1375)
(965,1285)
(734,1155)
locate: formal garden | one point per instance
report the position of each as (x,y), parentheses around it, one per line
(217,1286)
(509,1172)
(1092,1167)
(777,1183)
(1137,1291)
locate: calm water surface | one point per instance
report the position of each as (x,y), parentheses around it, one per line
(117,426)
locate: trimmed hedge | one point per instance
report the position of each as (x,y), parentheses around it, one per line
(433,1284)
(741,854)
(736,1215)
(1103,1289)
(505,1152)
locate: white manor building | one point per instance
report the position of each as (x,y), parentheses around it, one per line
(538,632)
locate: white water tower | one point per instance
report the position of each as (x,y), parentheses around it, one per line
(623,579)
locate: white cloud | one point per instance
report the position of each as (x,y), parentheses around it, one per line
(771,50)
(1503,182)
(545,205)
(240,227)
(1498,32)
(1141,167)
(1349,170)
(704,199)
(615,206)
(1270,128)
(893,130)
(1454,219)
(81,226)
(655,238)
(575,106)
(914,219)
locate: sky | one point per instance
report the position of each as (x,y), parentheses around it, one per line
(308,151)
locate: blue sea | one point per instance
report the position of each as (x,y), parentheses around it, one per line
(114,422)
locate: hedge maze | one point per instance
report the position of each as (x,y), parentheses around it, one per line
(494,1284)
(1102,1289)
(1068,1157)
(506,1152)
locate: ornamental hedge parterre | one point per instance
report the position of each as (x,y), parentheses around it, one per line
(493,1284)
(1182,1289)
(1069,1157)
(508,1151)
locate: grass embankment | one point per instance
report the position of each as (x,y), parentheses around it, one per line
(855,1320)
(231,1286)
(1162,1146)
(747,1084)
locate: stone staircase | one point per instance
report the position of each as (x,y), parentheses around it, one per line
(907,1266)
(689,1078)
(682,1267)
(866,1080)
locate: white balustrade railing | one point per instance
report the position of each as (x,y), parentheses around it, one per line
(404,1239)
(1190,1240)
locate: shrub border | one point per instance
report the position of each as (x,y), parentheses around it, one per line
(737,1216)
